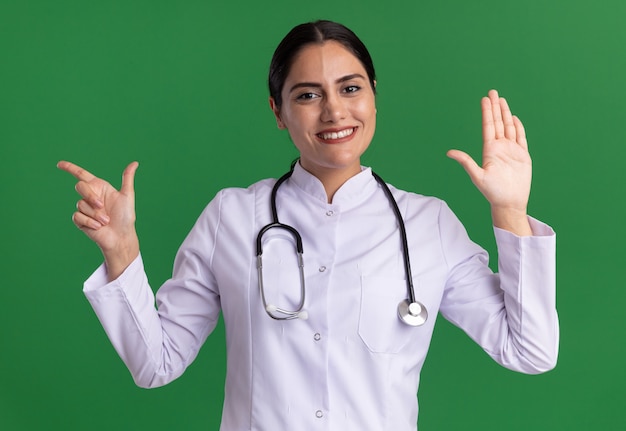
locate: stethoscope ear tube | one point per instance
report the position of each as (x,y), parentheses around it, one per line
(292,230)
(273,311)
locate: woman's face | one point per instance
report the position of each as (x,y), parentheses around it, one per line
(328,108)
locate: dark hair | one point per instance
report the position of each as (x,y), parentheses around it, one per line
(309,33)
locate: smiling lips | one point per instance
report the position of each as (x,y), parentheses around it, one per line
(337,136)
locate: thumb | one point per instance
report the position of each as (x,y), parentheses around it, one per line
(128,179)
(466,161)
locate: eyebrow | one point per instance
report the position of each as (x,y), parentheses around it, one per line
(316,84)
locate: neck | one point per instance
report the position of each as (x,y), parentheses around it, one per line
(333,178)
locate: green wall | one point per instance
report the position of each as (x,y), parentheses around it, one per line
(180,86)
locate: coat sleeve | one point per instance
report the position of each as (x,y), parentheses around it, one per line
(512,314)
(158,343)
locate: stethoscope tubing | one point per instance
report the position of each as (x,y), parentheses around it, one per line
(410,311)
(403,237)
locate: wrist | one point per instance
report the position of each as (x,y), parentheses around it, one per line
(513,220)
(117,259)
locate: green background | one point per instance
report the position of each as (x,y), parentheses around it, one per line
(181,87)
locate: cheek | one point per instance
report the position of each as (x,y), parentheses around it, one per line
(300,121)
(366,112)
(297,130)
(366,105)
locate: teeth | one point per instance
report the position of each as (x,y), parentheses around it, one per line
(337,135)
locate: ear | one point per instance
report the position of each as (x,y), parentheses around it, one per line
(276,112)
(375,110)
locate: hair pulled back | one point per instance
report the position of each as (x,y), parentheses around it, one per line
(316,32)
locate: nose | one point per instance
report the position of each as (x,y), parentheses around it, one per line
(333,109)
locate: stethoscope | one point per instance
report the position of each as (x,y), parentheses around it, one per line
(410,311)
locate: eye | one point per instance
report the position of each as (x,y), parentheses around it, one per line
(351,89)
(306,96)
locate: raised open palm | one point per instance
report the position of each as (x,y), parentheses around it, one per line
(505,175)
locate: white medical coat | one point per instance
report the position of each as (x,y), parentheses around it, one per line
(352,365)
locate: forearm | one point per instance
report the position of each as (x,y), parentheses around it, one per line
(527,273)
(125,308)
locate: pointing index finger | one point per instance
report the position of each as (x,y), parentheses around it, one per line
(78,172)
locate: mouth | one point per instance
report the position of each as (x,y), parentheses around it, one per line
(337,135)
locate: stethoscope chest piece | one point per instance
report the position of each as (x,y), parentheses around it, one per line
(412,313)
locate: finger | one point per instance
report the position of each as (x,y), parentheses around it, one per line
(83,222)
(507,120)
(91,212)
(497,114)
(78,172)
(520,132)
(489,131)
(88,194)
(128,179)
(465,160)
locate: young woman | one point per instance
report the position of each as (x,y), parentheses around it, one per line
(317,274)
